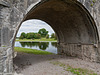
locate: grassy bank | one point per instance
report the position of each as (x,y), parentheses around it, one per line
(42,39)
(32,51)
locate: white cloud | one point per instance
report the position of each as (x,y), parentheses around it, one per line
(34,26)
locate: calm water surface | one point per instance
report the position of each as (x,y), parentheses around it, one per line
(46,46)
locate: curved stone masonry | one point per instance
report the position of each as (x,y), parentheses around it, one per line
(76,23)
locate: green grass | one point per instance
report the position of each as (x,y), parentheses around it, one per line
(32,51)
(80,71)
(75,71)
(42,39)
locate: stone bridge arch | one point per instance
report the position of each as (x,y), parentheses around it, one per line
(76,29)
(72,23)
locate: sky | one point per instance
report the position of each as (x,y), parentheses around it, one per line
(34,26)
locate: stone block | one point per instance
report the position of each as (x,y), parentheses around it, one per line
(1,68)
(0,37)
(4,3)
(5,36)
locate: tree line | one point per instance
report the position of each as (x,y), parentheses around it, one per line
(42,33)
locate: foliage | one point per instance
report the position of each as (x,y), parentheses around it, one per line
(30,36)
(47,36)
(92,2)
(37,36)
(43,32)
(53,35)
(42,39)
(32,51)
(23,35)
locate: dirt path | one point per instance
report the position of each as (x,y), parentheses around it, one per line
(30,64)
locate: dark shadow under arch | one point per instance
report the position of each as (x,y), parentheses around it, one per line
(69,19)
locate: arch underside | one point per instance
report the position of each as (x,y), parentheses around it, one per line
(70,21)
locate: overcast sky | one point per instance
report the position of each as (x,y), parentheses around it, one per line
(34,26)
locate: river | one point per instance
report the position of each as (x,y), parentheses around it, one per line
(45,46)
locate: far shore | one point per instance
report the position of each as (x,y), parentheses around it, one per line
(36,40)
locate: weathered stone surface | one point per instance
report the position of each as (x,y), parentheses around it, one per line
(5,34)
(4,3)
(76,23)
(86,52)
(0,37)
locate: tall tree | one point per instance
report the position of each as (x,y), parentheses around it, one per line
(43,32)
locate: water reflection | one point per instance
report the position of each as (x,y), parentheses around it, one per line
(29,44)
(54,44)
(47,46)
(43,45)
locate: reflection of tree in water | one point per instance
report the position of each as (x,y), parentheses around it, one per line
(29,44)
(54,44)
(43,45)
(22,44)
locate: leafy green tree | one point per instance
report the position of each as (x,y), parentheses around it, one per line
(22,36)
(37,36)
(30,35)
(43,32)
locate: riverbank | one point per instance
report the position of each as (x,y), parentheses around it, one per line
(37,40)
(31,51)
(30,64)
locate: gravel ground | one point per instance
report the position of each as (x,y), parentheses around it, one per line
(30,64)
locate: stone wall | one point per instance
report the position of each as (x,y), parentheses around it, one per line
(86,52)
(94,8)
(12,13)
